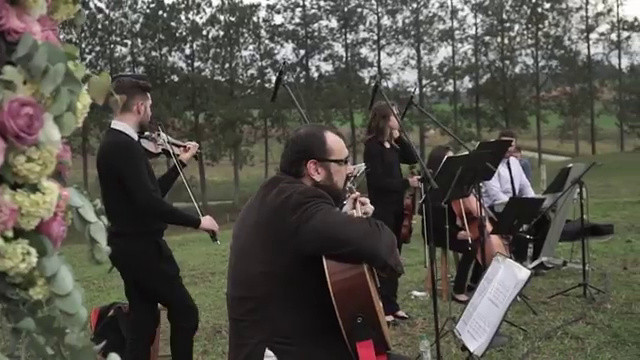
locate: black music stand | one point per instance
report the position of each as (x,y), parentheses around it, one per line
(456,178)
(519,212)
(498,149)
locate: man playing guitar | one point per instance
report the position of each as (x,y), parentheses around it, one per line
(277,293)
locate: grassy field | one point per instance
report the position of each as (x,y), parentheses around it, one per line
(567,327)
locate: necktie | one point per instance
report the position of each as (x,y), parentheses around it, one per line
(513,185)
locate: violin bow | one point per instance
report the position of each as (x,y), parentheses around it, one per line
(163,137)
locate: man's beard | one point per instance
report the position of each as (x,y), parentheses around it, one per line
(336,193)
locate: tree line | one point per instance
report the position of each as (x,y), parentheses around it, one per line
(492,64)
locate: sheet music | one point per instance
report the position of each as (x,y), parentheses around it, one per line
(481,318)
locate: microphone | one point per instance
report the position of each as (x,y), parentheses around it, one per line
(406,108)
(278,82)
(374,92)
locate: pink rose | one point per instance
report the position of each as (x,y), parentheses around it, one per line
(3,149)
(21,120)
(48,30)
(11,21)
(8,215)
(64,161)
(54,228)
(61,206)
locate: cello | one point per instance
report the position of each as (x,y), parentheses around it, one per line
(467,212)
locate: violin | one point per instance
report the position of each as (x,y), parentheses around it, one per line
(467,212)
(408,212)
(153,143)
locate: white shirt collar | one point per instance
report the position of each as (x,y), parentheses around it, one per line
(125,128)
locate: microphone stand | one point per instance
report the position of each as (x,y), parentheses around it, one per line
(428,230)
(281,75)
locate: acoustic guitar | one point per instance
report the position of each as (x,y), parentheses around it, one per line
(354,292)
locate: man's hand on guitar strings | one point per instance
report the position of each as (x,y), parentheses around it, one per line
(363,205)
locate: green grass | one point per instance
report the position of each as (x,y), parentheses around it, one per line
(606,329)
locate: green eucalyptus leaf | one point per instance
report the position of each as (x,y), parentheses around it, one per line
(78,222)
(71,51)
(38,63)
(76,198)
(25,47)
(87,212)
(7,174)
(99,87)
(60,102)
(12,74)
(67,123)
(2,357)
(104,220)
(27,324)
(38,345)
(98,232)
(113,356)
(53,78)
(57,55)
(62,282)
(49,265)
(41,243)
(75,321)
(100,254)
(70,303)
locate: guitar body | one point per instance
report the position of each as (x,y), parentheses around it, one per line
(354,293)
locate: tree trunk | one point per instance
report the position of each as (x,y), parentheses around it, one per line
(536,60)
(620,73)
(418,48)
(503,61)
(576,136)
(378,39)
(454,69)
(476,70)
(590,80)
(347,63)
(236,172)
(266,147)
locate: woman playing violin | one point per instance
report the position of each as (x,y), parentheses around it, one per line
(384,151)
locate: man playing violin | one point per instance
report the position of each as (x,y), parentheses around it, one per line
(277,292)
(138,217)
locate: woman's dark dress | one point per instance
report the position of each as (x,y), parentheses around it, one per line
(386,189)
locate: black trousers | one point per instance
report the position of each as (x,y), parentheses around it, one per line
(392,217)
(151,276)
(539,232)
(462,272)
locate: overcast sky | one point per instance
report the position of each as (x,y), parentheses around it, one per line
(631,7)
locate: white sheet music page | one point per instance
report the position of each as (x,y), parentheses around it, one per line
(481,318)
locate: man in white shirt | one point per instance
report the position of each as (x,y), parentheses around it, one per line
(508,179)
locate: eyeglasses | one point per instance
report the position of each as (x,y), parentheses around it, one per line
(342,162)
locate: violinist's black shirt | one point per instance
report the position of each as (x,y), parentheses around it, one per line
(277,293)
(132,196)
(385,183)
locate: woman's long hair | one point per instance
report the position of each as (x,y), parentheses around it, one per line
(379,120)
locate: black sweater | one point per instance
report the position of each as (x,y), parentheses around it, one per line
(132,196)
(277,293)
(385,183)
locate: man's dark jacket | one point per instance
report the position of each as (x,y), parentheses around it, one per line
(277,295)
